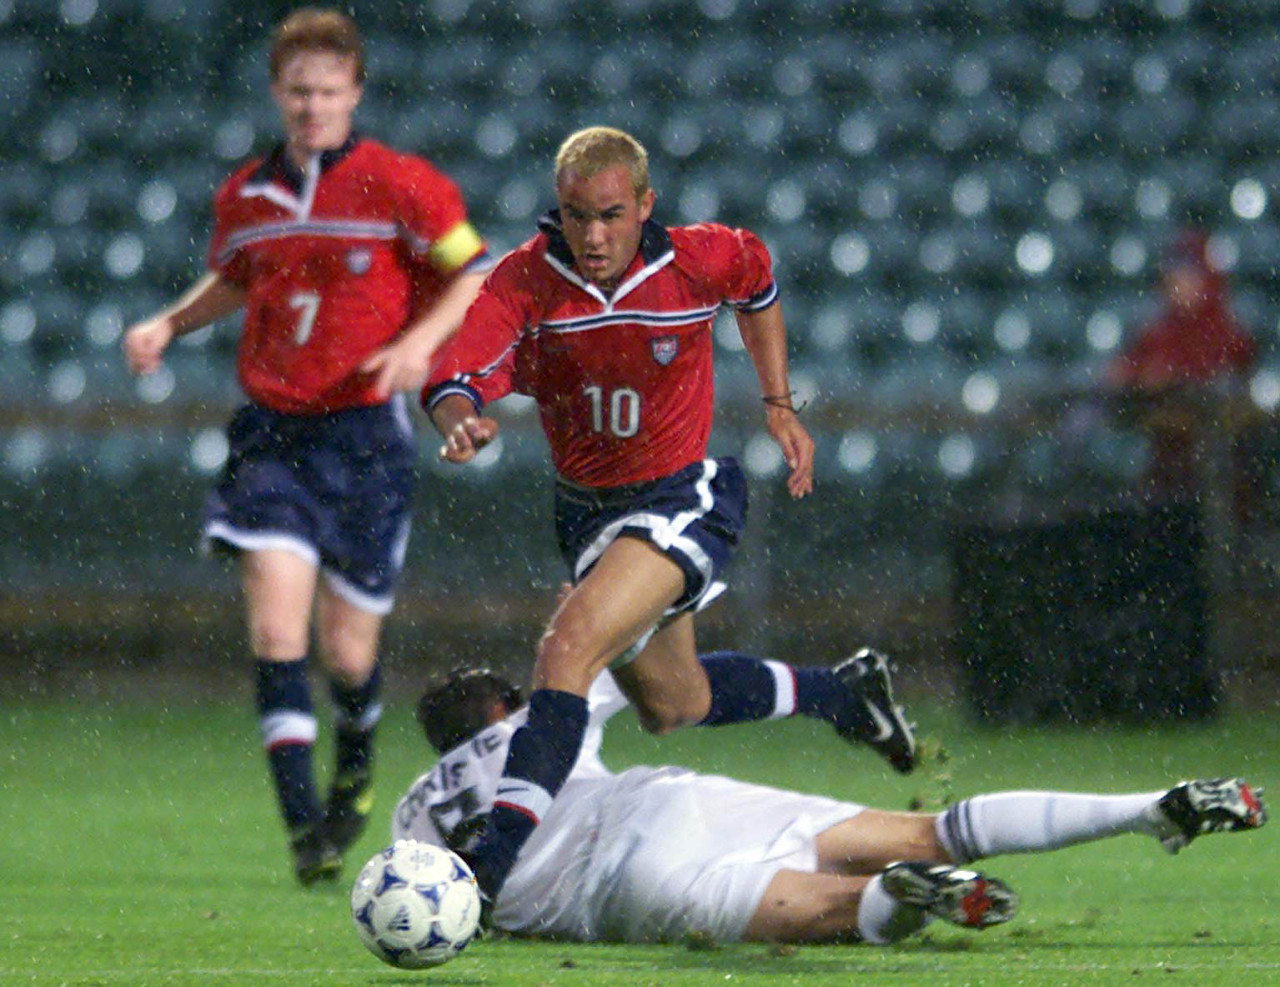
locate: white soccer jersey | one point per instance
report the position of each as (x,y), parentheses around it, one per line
(649,854)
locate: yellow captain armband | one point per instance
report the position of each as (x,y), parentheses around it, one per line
(456,247)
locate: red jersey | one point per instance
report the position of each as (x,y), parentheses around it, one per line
(334,261)
(623,383)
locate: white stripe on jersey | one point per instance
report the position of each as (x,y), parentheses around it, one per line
(288,726)
(613,317)
(337,228)
(784,679)
(668,533)
(517,793)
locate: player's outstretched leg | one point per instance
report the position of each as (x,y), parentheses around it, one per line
(1217,805)
(869,714)
(314,857)
(961,897)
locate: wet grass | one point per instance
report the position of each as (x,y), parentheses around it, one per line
(140,846)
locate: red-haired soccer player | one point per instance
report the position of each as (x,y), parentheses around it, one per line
(353,263)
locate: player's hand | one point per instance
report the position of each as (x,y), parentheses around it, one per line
(400,366)
(466,438)
(797,448)
(144,344)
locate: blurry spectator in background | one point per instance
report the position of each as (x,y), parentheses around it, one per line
(352,263)
(1165,372)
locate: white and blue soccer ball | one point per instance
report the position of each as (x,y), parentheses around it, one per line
(415,905)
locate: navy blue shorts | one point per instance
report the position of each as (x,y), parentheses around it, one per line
(334,489)
(694,517)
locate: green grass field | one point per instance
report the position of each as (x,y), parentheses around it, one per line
(141,847)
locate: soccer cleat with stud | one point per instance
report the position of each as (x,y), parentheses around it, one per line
(347,811)
(1193,808)
(871,716)
(961,897)
(314,857)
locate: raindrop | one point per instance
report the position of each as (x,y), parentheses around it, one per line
(970,195)
(77,13)
(489,457)
(67,382)
(681,137)
(727,335)
(1128,255)
(970,75)
(1248,198)
(1064,74)
(518,199)
(857,135)
(233,139)
(58,141)
(938,253)
(1223,252)
(1264,389)
(1150,74)
(36,253)
(877,199)
(980,393)
(762,125)
(1034,252)
(17,321)
(1082,10)
(921,322)
(699,202)
(157,387)
(104,324)
(70,204)
(26,451)
(1103,331)
(208,450)
(124,256)
(857,452)
(832,328)
(157,201)
(1063,200)
(610,75)
(496,136)
(718,10)
(785,201)
(850,253)
(793,76)
(1153,198)
(1038,134)
(956,456)
(1012,330)
(761,455)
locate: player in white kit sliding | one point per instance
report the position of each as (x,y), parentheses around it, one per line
(653,854)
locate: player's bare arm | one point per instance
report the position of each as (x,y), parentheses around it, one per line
(403,364)
(765,337)
(209,299)
(465,432)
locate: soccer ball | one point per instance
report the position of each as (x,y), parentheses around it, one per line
(415,905)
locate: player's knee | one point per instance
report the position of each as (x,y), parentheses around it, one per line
(277,641)
(566,659)
(665,714)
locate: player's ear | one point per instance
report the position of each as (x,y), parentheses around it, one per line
(646,204)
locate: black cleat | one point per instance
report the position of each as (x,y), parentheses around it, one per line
(961,897)
(314,857)
(1193,808)
(871,717)
(347,811)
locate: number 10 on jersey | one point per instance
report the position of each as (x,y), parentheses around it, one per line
(623,409)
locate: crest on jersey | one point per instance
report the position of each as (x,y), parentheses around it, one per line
(359,260)
(664,349)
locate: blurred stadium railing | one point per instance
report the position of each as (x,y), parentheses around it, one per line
(966,201)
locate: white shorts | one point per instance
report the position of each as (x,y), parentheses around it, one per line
(655,853)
